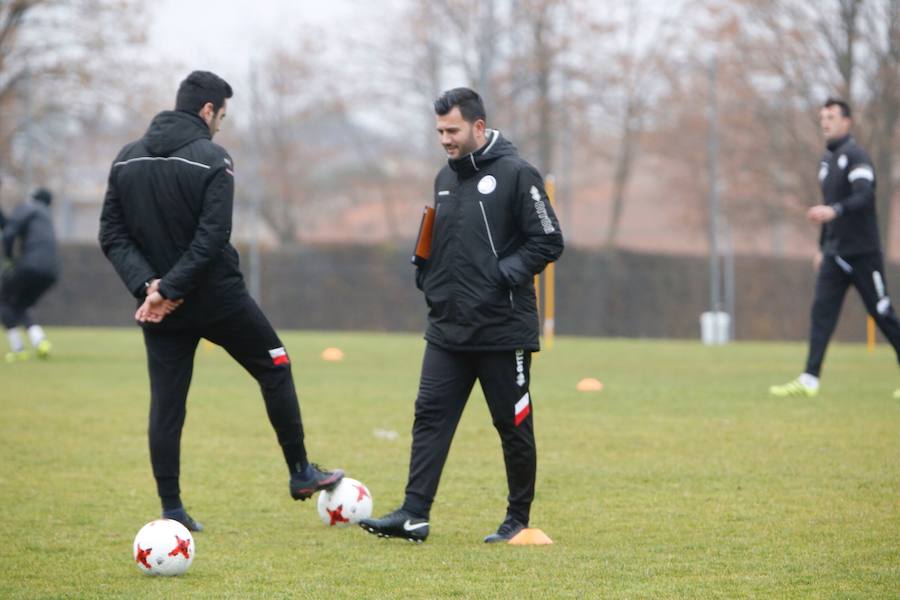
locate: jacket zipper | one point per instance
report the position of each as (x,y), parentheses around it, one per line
(487,228)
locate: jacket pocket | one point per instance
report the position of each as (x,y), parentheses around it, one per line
(500,280)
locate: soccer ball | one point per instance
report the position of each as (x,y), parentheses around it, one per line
(348,502)
(163,547)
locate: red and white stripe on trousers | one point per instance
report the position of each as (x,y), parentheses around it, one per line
(279,356)
(523,408)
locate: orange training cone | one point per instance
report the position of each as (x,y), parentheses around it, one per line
(530,537)
(332,354)
(589,384)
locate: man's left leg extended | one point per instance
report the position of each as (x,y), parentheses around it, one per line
(250,339)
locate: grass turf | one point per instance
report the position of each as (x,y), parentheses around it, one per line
(681,479)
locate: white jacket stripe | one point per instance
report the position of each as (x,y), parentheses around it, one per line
(863,172)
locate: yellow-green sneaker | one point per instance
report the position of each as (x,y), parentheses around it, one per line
(19,356)
(793,388)
(44,348)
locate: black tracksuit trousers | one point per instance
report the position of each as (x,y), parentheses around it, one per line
(20,289)
(446,382)
(865,272)
(249,338)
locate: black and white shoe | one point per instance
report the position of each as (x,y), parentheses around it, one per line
(180,515)
(303,485)
(507,531)
(398,524)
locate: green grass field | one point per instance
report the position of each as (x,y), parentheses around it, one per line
(681,479)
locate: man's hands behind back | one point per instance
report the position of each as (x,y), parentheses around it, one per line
(155,308)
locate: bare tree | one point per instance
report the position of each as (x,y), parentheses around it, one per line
(287,106)
(538,43)
(840,32)
(884,110)
(60,61)
(631,86)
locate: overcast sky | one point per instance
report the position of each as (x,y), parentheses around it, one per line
(225,35)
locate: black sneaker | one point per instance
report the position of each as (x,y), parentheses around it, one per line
(303,487)
(507,531)
(180,515)
(399,524)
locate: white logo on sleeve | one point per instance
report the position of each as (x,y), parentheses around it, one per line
(823,171)
(541,209)
(487,184)
(861,172)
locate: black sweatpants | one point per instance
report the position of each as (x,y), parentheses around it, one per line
(249,338)
(20,289)
(864,272)
(446,382)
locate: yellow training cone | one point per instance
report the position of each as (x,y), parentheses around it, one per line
(530,537)
(589,384)
(332,354)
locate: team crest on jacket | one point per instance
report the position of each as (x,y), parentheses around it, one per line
(842,161)
(487,184)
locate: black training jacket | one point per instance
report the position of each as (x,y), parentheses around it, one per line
(28,238)
(848,184)
(167,214)
(494,230)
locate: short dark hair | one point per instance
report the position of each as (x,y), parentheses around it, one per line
(42,195)
(845,108)
(201,87)
(468,101)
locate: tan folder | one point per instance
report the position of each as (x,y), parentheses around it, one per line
(423,240)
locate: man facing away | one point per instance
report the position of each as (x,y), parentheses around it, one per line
(29,245)
(165,226)
(849,246)
(494,230)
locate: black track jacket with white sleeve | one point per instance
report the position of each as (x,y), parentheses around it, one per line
(494,230)
(847,178)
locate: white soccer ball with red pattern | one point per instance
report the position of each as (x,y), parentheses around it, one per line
(348,502)
(163,547)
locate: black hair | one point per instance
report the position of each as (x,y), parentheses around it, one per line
(468,101)
(42,195)
(201,87)
(845,108)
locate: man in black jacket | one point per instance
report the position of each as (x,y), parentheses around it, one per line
(494,230)
(849,246)
(165,226)
(29,244)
